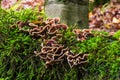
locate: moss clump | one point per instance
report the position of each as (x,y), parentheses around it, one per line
(117,35)
(17,58)
(18,61)
(104,58)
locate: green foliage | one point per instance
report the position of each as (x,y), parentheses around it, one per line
(117,34)
(68,37)
(17,60)
(17,56)
(7,18)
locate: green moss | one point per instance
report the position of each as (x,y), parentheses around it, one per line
(103,60)
(117,34)
(17,60)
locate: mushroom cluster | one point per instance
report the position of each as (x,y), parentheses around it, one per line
(50,27)
(78,59)
(82,34)
(106,18)
(54,53)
